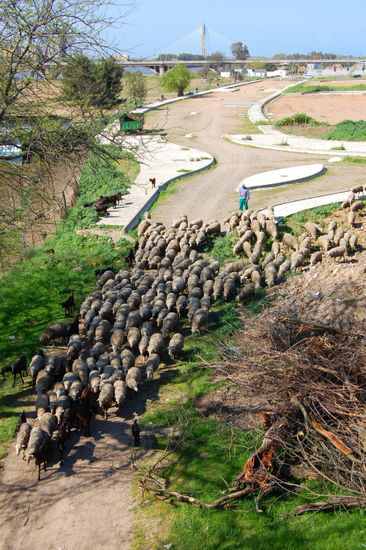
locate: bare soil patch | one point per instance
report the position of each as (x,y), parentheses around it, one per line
(325,107)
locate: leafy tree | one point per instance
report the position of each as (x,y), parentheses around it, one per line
(78,79)
(108,76)
(135,85)
(239,51)
(176,80)
(53,136)
(94,82)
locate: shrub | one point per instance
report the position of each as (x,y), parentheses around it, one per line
(348,130)
(298,119)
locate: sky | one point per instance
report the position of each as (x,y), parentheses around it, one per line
(268,27)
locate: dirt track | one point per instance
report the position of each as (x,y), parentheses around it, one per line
(86,503)
(213,194)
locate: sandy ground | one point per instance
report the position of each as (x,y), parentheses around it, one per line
(87,503)
(213,194)
(84,504)
(324,107)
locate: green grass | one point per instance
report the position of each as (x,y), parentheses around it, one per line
(298,119)
(339,148)
(355,160)
(221,248)
(348,130)
(313,88)
(295,222)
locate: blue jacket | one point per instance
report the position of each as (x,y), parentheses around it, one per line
(244,193)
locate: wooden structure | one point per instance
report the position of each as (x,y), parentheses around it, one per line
(131,122)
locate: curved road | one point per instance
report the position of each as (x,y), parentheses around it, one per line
(213,194)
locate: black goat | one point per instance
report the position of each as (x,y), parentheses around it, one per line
(61,441)
(22,419)
(99,272)
(69,304)
(5,369)
(130,257)
(18,367)
(43,455)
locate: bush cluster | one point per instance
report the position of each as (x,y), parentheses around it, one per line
(348,130)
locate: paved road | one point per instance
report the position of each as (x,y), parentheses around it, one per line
(212,194)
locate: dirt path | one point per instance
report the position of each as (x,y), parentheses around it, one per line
(84,504)
(213,194)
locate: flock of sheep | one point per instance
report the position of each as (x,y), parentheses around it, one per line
(134,315)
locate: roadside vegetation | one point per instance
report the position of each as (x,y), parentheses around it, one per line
(314,88)
(303,124)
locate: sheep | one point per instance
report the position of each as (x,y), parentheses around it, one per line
(36,364)
(68,379)
(75,390)
(290,240)
(120,392)
(270,275)
(214,229)
(105,399)
(23,437)
(175,345)
(169,323)
(352,218)
(316,257)
(199,321)
(256,254)
(356,206)
(134,377)
(128,359)
(297,260)
(53,332)
(117,339)
(133,320)
(156,343)
(256,278)
(276,247)
(43,381)
(271,229)
(97,350)
(229,289)
(152,365)
(283,269)
(247,249)
(62,405)
(305,243)
(247,291)
(161,316)
(143,344)
(181,305)
(36,439)
(357,189)
(106,276)
(338,235)
(353,242)
(279,260)
(146,329)
(178,285)
(205,302)
(208,287)
(325,242)
(269,258)
(52,400)
(133,337)
(337,252)
(48,423)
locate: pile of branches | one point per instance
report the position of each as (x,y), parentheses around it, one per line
(308,385)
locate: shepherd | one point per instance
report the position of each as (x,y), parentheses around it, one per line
(244,196)
(135,430)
